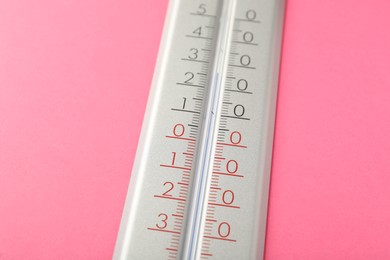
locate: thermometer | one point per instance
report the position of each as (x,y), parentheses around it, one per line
(200,181)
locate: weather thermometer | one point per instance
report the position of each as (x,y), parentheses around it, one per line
(199,187)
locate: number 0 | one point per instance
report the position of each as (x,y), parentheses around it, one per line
(245,60)
(235,137)
(224,229)
(251,15)
(228,197)
(178,130)
(239,110)
(231,166)
(247,37)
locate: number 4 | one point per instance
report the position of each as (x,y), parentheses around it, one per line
(198,31)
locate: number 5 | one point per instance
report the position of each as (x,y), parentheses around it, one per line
(201,9)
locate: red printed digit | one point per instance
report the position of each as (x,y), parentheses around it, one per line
(178,130)
(224,229)
(173,158)
(171,186)
(232,166)
(163,221)
(235,137)
(228,197)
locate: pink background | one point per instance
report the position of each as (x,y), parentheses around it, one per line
(74,79)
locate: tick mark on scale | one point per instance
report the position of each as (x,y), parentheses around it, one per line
(220,238)
(204,15)
(228,174)
(246,20)
(223,205)
(248,43)
(190,85)
(163,230)
(175,167)
(183,110)
(240,66)
(239,91)
(170,198)
(199,37)
(180,138)
(235,117)
(233,145)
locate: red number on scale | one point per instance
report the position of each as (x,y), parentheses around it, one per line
(178,130)
(173,158)
(232,166)
(171,186)
(235,137)
(163,221)
(224,229)
(228,197)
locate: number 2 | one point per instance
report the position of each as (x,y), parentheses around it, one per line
(168,183)
(188,81)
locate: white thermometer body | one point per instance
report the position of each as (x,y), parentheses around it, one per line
(200,181)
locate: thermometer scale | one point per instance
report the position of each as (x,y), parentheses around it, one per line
(199,187)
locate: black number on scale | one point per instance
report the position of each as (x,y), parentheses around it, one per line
(239,110)
(247,37)
(194,54)
(198,31)
(184,102)
(245,60)
(251,15)
(201,9)
(242,84)
(190,76)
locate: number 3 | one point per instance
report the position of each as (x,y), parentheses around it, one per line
(164,218)
(194,54)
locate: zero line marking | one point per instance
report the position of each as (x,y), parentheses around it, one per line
(227,174)
(220,238)
(223,205)
(240,66)
(236,145)
(246,20)
(249,43)
(181,138)
(235,117)
(239,91)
